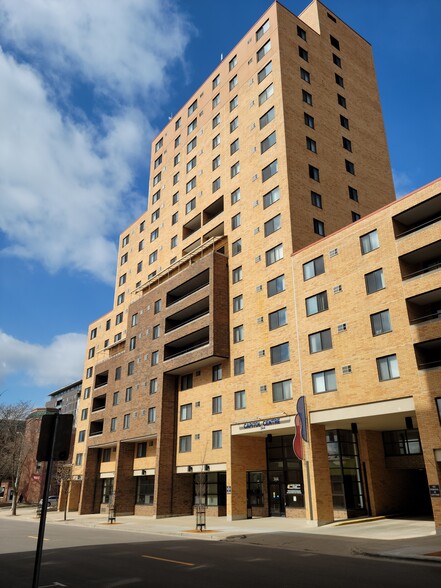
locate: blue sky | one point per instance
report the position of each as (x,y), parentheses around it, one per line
(84,88)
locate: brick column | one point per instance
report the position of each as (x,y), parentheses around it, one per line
(125,482)
(89,500)
(320,478)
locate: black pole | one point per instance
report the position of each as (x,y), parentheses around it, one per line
(41,528)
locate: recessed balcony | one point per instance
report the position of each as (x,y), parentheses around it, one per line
(424,307)
(418,217)
(187,315)
(428,354)
(96,428)
(187,344)
(188,287)
(421,261)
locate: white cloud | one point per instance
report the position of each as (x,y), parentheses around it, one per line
(402,182)
(53,365)
(68,176)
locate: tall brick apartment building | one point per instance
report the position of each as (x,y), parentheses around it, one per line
(192,386)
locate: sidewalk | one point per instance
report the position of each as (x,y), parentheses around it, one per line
(412,538)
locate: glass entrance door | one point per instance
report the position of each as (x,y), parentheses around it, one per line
(276,499)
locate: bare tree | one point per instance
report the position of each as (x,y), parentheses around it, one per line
(17,444)
(63,477)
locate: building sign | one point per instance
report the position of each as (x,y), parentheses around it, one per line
(261,424)
(434,490)
(265,424)
(294,489)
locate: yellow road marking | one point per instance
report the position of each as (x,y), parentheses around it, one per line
(182,563)
(35,537)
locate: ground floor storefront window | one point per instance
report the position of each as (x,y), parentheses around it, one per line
(285,476)
(107,490)
(145,487)
(210,489)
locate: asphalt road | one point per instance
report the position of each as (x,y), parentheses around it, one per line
(85,558)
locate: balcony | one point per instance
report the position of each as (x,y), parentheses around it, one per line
(96,428)
(424,307)
(99,403)
(101,379)
(187,344)
(421,261)
(191,227)
(188,287)
(213,210)
(192,247)
(418,217)
(187,315)
(428,354)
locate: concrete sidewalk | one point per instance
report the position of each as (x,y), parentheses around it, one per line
(409,538)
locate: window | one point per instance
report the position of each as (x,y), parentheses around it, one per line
(305,75)
(374,281)
(81,436)
(216,141)
(216,185)
(191,205)
(234,124)
(238,303)
(235,169)
(324,381)
(353,193)
(175,198)
(271,197)
(263,50)
(158,145)
(336,59)
(157,179)
(438,408)
(215,82)
(314,173)
(339,80)
(154,235)
(186,412)
(130,368)
(175,218)
(117,337)
(153,385)
(157,306)
(173,242)
(238,334)
(270,170)
(307,97)
(334,42)
(282,390)
(266,118)
(78,459)
(153,256)
(235,196)
(215,163)
(239,366)
(316,199)
(141,449)
(86,394)
(115,398)
(380,323)
(275,286)
(319,227)
(216,439)
(263,73)
(350,167)
(233,62)
(277,319)
(141,243)
(267,93)
(369,242)
(91,352)
(236,247)
(122,281)
(234,146)
(404,442)
(268,142)
(317,303)
(313,268)
(237,274)
(216,405)
(151,415)
(132,343)
(234,103)
(176,178)
(217,372)
(235,221)
(192,144)
(216,120)
(239,400)
(274,254)
(272,225)
(185,444)
(84,414)
(156,332)
(128,394)
(113,424)
(344,122)
(192,107)
(311,145)
(303,53)
(355,216)
(155,358)
(126,421)
(142,226)
(117,373)
(388,368)
(158,162)
(309,120)
(192,126)
(177,141)
(347,144)
(191,164)
(320,341)
(262,30)
(124,258)
(139,267)
(187,382)
(301,33)
(89,372)
(279,353)
(341,100)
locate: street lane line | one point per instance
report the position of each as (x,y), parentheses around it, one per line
(35,537)
(182,563)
